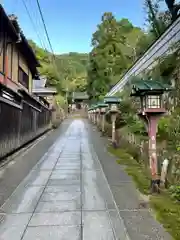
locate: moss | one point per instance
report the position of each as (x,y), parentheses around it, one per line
(166,210)
(141,179)
(133,168)
(168,213)
(123,156)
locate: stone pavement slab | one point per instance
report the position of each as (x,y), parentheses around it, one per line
(53,232)
(23,200)
(13,226)
(56,219)
(65,196)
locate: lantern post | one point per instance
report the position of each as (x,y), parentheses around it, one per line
(113,110)
(102,111)
(90,114)
(97,114)
(151,110)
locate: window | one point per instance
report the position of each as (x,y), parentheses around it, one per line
(154,101)
(23,78)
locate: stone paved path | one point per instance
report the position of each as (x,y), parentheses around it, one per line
(65,196)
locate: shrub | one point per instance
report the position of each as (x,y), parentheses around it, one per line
(175,192)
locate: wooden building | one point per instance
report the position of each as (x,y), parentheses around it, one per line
(18,63)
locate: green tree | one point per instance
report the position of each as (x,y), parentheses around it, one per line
(114,50)
(106,59)
(152,10)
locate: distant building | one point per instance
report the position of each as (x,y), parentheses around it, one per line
(40,90)
(18,63)
(79,99)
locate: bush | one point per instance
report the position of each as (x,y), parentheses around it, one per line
(163,125)
(137,127)
(175,192)
(131,149)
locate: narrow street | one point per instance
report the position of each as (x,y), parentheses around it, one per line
(65,196)
(89,120)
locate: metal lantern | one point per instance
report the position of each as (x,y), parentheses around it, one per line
(154,101)
(150,93)
(151,102)
(112,102)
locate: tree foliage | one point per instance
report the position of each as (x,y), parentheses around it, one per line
(114,50)
(65,72)
(117,44)
(157,20)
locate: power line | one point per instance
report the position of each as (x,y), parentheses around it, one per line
(38,22)
(29,15)
(47,35)
(45,28)
(46,32)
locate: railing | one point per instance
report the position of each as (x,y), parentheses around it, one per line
(22,119)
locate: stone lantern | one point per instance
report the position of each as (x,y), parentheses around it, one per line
(151,110)
(94,115)
(89,114)
(113,110)
(97,109)
(102,107)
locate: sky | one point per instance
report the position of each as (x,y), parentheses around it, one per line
(70,23)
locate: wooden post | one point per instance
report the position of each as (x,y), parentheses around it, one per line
(6,69)
(155,182)
(103,122)
(113,119)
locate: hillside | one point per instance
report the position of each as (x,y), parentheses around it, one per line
(68,73)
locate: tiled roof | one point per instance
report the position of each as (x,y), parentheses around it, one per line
(112,99)
(80,95)
(142,86)
(39,87)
